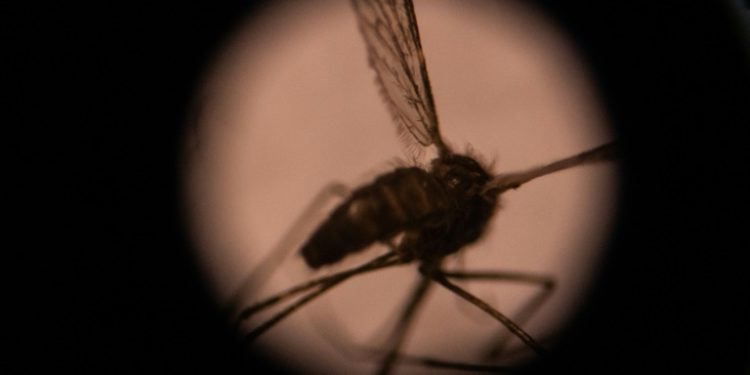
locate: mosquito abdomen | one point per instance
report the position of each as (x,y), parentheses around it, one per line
(394,202)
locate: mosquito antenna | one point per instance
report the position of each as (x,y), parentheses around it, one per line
(507,181)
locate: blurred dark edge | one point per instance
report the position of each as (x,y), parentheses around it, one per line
(106,281)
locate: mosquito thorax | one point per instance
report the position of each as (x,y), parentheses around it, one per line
(463,180)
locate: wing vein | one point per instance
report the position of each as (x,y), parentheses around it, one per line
(389,28)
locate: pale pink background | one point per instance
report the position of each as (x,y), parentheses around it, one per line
(291,105)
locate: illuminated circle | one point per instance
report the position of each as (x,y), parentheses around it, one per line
(291,105)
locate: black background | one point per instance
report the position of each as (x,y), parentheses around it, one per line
(106,282)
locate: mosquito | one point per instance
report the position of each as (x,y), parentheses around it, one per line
(422,215)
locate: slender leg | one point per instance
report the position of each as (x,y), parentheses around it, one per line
(402,326)
(335,333)
(283,248)
(323,284)
(252,335)
(546,283)
(440,278)
(355,352)
(407,359)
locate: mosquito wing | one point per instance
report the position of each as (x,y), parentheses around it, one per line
(389,28)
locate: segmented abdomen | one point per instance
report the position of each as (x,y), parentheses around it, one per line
(403,199)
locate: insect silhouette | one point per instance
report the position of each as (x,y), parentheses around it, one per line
(421,215)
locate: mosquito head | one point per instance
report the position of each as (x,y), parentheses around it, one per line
(463,179)
(461,174)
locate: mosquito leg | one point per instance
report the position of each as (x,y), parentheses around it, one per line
(252,335)
(288,242)
(379,262)
(336,334)
(440,278)
(366,353)
(387,260)
(523,277)
(407,359)
(402,326)
(546,283)
(393,355)
(465,308)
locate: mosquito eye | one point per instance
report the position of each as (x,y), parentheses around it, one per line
(458,183)
(355,209)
